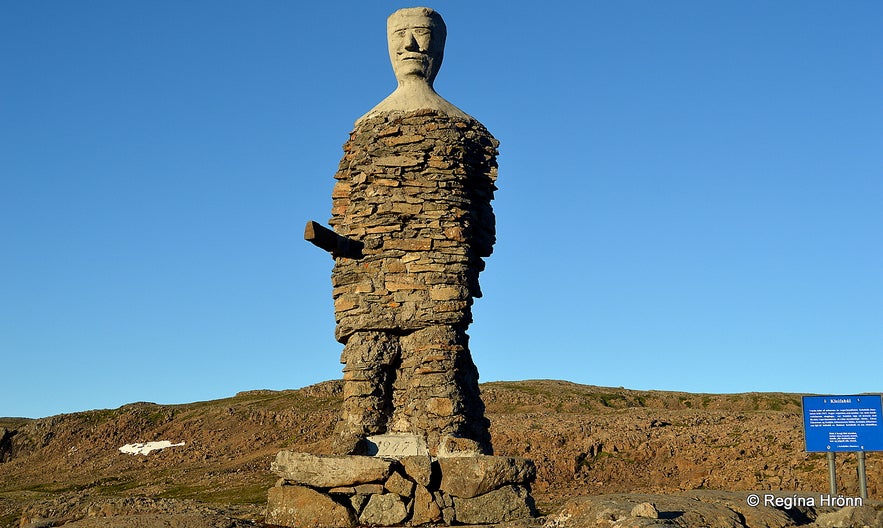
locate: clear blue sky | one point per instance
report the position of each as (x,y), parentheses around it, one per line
(690,192)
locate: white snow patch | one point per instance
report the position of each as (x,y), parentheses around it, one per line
(145,449)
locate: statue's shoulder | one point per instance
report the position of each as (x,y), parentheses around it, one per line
(399,102)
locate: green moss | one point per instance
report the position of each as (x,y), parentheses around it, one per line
(184,491)
(99,416)
(247,494)
(608,399)
(251,494)
(14,423)
(53,487)
(10,519)
(115,486)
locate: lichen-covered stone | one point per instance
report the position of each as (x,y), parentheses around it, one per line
(358,502)
(384,510)
(426,510)
(452,446)
(468,477)
(508,503)
(369,489)
(645,510)
(330,471)
(418,468)
(304,507)
(399,485)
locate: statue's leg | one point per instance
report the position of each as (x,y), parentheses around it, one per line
(436,391)
(371,359)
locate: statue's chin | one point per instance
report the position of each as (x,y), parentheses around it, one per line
(412,69)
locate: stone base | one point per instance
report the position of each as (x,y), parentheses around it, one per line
(345,491)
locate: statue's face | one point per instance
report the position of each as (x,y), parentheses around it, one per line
(416,46)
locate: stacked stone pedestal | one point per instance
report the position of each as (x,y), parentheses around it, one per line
(349,490)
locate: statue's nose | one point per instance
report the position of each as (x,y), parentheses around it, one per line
(411,42)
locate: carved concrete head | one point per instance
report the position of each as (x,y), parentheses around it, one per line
(416,37)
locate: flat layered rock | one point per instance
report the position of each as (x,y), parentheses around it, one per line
(468,477)
(330,471)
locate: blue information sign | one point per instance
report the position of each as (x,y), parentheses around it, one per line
(843,423)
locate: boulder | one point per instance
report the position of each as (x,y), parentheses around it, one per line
(646,510)
(865,515)
(306,508)
(399,485)
(358,502)
(426,510)
(369,489)
(468,477)
(454,446)
(508,503)
(418,468)
(330,471)
(448,516)
(443,499)
(384,510)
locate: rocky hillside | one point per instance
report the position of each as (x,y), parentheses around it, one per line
(585,440)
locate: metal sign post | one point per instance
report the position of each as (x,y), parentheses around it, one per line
(844,423)
(832,473)
(862,477)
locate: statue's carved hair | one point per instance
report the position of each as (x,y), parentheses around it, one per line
(438,23)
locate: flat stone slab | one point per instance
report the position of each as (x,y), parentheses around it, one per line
(330,471)
(396,445)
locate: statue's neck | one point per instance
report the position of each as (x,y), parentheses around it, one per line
(415,84)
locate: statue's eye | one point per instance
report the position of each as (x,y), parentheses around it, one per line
(421,31)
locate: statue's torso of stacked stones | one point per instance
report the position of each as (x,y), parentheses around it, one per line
(413,190)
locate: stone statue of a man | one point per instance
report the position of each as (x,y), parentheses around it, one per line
(413,193)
